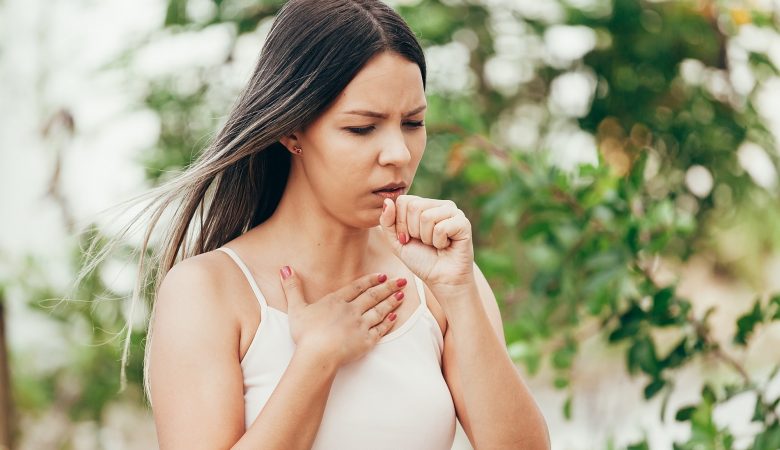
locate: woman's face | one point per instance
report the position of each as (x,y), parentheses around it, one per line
(373,134)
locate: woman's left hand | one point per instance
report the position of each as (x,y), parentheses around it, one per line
(432,237)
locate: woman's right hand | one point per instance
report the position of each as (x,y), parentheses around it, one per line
(345,324)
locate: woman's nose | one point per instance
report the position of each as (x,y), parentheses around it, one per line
(395,151)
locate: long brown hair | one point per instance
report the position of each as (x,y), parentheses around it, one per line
(313,50)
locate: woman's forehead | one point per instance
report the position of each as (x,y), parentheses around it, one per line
(387,84)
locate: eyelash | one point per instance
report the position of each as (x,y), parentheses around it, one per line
(361,131)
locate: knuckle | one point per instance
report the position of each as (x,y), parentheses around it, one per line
(372,315)
(353,312)
(384,308)
(385,326)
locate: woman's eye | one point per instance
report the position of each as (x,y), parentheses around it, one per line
(360,130)
(365,130)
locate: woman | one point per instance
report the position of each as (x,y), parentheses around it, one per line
(321,306)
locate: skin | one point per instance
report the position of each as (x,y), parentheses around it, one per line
(331,229)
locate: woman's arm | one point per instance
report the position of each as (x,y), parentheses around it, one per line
(293,414)
(493,403)
(196,379)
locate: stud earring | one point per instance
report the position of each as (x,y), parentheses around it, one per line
(297,150)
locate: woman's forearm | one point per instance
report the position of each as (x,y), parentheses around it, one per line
(293,413)
(501,410)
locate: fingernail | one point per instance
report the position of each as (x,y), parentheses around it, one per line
(286,272)
(399,295)
(384,206)
(382,278)
(392,316)
(402,238)
(401,282)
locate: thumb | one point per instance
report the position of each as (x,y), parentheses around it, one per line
(293,289)
(387,222)
(387,219)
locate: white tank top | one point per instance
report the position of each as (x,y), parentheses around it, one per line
(393,398)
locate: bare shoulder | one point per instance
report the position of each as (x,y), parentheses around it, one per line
(194,367)
(202,269)
(193,286)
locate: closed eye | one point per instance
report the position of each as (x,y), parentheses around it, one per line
(361,131)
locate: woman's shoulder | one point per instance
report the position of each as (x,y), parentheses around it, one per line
(191,291)
(203,272)
(193,338)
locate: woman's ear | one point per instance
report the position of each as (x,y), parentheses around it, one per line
(291,142)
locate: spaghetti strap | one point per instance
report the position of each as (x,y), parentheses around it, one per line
(421,291)
(259,295)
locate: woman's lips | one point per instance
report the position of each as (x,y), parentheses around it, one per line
(390,194)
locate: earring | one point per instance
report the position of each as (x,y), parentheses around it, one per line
(297,150)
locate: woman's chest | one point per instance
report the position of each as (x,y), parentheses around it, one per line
(270,285)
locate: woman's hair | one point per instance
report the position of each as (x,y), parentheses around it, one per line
(313,50)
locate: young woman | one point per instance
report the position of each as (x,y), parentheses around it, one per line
(307,300)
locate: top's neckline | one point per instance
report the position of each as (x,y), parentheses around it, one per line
(264,306)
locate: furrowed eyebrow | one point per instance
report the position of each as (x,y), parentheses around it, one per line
(384,116)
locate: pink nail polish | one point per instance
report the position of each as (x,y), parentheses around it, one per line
(401,282)
(382,278)
(399,295)
(286,272)
(402,238)
(392,316)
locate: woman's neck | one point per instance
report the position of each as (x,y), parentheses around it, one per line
(317,245)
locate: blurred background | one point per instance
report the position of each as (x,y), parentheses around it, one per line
(618,159)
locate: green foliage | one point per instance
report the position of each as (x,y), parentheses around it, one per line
(704,432)
(88,320)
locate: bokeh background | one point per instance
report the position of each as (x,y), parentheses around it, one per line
(618,159)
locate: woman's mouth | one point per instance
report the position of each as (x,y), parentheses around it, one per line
(390,193)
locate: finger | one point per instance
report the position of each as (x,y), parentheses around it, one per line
(292,287)
(377,294)
(429,218)
(388,224)
(378,331)
(453,229)
(378,313)
(401,228)
(357,287)
(387,218)
(414,208)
